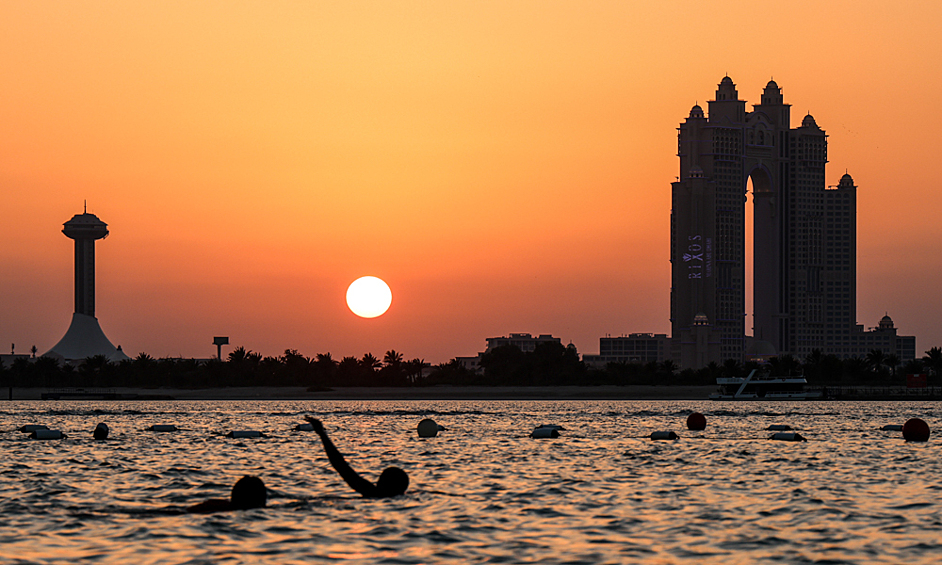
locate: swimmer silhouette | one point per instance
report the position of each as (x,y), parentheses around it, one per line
(392,482)
(248,492)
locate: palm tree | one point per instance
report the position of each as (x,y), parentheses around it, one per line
(392,359)
(732,368)
(369,362)
(325,366)
(892,361)
(933,361)
(875,359)
(416,367)
(784,365)
(237,355)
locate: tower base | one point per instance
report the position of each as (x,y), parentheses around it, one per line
(84,339)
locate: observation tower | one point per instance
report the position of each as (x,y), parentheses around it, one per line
(84,337)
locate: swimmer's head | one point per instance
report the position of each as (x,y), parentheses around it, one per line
(392,482)
(249,492)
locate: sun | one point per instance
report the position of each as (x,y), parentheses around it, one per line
(369,297)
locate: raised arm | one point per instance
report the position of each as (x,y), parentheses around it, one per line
(356,482)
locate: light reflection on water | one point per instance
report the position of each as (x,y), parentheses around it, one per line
(482,491)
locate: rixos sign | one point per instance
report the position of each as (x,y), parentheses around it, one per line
(698,257)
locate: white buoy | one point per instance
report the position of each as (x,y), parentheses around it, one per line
(244,433)
(162,428)
(47,434)
(304,428)
(542,433)
(30,428)
(427,428)
(664,435)
(892,428)
(779,428)
(787,436)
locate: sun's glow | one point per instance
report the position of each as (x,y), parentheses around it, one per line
(369,297)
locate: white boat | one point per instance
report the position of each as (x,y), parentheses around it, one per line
(758,386)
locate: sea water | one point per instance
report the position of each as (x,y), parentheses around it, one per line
(482,491)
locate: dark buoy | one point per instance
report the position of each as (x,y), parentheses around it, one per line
(544,432)
(47,434)
(664,435)
(779,428)
(30,428)
(892,428)
(427,428)
(304,428)
(101,431)
(787,436)
(915,430)
(239,434)
(162,428)
(696,421)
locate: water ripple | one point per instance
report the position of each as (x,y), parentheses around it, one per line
(482,491)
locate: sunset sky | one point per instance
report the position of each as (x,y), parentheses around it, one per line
(504,166)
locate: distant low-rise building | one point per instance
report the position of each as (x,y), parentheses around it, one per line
(525,342)
(631,348)
(472,364)
(884,337)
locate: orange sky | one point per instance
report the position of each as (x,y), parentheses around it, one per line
(504,166)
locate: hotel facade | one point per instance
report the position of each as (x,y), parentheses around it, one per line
(804,236)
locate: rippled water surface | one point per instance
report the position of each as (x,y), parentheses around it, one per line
(482,491)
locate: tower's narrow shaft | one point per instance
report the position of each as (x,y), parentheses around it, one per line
(85,229)
(85,277)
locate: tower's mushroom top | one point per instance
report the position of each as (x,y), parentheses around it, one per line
(696,111)
(808,122)
(85,226)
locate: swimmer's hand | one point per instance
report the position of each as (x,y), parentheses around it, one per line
(317,425)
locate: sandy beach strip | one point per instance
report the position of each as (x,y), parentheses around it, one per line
(639,392)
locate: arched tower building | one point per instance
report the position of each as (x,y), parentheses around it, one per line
(804,263)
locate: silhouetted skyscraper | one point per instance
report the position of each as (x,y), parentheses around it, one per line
(804,234)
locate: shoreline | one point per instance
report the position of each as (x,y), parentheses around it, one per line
(607,392)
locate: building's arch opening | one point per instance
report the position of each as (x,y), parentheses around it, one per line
(748,258)
(761,241)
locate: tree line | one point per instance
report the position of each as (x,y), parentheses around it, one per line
(549,364)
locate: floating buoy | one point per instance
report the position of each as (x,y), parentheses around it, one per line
(162,428)
(892,428)
(664,435)
(915,430)
(779,428)
(101,431)
(542,433)
(30,428)
(244,433)
(304,428)
(696,421)
(427,428)
(47,434)
(553,427)
(787,436)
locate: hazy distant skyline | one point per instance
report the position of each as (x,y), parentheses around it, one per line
(504,167)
